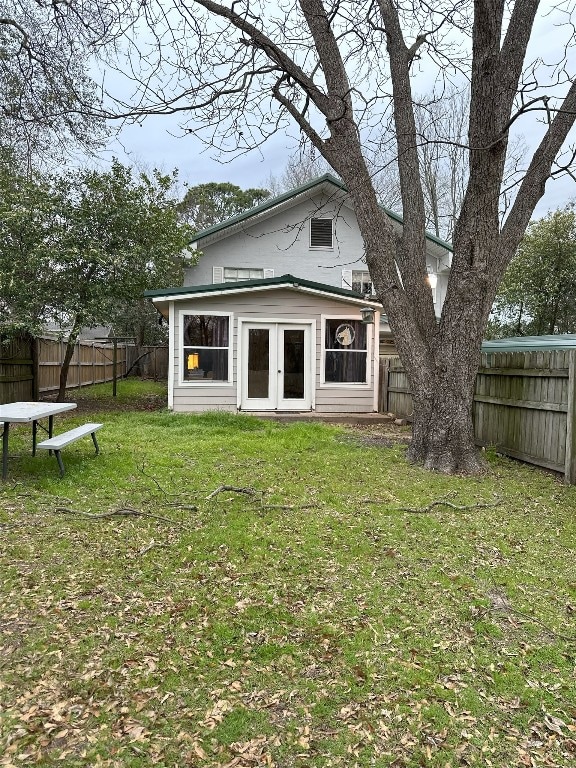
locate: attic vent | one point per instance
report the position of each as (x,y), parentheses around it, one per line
(320,233)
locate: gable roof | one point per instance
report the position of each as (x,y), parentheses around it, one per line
(325,180)
(162,296)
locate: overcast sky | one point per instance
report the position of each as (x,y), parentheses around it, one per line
(159,143)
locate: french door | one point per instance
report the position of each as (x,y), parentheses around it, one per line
(275,369)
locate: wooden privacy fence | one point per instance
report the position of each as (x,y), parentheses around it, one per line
(31,367)
(92,363)
(18,369)
(524,405)
(150,362)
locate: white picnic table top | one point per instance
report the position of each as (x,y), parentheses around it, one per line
(26,412)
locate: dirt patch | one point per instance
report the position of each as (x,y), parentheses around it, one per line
(101,404)
(379,436)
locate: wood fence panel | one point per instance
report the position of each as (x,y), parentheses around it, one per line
(17,369)
(524,405)
(31,367)
(152,361)
(92,363)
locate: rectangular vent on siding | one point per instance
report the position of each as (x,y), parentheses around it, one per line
(321,233)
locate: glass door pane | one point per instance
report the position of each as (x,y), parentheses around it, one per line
(258,362)
(294,358)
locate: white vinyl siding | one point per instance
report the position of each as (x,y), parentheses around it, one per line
(282,244)
(280,305)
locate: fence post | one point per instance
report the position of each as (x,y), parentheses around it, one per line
(570,461)
(384,378)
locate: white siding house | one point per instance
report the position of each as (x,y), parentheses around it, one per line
(310,232)
(270,318)
(275,344)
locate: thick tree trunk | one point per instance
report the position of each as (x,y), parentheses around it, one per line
(442,428)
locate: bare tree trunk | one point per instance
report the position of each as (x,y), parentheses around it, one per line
(519,321)
(68,355)
(70,344)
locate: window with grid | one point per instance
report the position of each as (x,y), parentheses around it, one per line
(321,233)
(236,275)
(345,351)
(361,283)
(205,347)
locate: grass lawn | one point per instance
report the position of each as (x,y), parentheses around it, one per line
(314,622)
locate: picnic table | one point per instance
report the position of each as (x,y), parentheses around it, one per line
(26,413)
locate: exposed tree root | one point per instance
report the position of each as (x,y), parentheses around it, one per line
(445,503)
(122,512)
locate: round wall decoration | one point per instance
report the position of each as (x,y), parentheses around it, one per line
(345,334)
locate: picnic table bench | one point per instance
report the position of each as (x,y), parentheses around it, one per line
(66,438)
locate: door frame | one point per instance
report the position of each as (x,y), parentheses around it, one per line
(309,327)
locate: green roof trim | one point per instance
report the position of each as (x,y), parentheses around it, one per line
(292,193)
(531,343)
(289,280)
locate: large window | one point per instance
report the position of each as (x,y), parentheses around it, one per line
(345,350)
(205,347)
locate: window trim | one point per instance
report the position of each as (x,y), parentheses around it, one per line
(364,272)
(242,280)
(321,247)
(182,382)
(369,356)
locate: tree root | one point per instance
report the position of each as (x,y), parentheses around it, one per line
(122,512)
(444,503)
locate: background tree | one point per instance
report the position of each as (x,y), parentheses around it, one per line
(81,248)
(538,292)
(206,204)
(29,228)
(48,101)
(120,236)
(340,70)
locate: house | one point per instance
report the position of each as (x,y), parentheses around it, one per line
(273,315)
(271,344)
(311,232)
